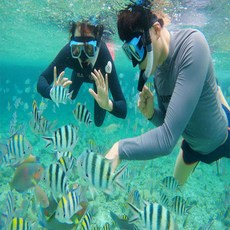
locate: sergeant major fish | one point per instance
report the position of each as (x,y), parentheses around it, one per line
(69,205)
(64,139)
(56,180)
(16,149)
(98,171)
(82,114)
(59,94)
(154,217)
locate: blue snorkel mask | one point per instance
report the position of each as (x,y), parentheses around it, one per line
(138,53)
(135,50)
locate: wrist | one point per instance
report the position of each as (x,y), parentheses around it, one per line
(151,117)
(110,106)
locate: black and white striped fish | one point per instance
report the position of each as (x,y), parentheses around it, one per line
(67,163)
(16,149)
(154,216)
(64,139)
(56,180)
(68,206)
(164,200)
(19,223)
(170,183)
(86,220)
(8,210)
(39,124)
(98,171)
(180,206)
(59,94)
(82,114)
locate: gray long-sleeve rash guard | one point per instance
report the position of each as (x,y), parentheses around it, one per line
(187,99)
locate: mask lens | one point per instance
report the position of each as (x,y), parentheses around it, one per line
(89,50)
(135,49)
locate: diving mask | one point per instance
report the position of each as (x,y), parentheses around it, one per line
(87,44)
(135,49)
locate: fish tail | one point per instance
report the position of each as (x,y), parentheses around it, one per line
(137,212)
(118,175)
(49,141)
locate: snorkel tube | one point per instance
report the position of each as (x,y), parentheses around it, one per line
(145,74)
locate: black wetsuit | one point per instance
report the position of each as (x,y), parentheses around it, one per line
(64,60)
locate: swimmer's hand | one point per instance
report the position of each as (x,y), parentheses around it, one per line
(145,102)
(65,82)
(113,155)
(102,95)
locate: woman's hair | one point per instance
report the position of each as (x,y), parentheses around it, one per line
(85,28)
(131,20)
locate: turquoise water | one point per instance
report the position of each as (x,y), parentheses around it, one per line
(32,33)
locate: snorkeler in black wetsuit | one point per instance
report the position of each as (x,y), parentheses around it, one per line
(85,52)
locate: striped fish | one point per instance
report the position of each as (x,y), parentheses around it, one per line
(180,206)
(82,114)
(154,217)
(8,213)
(86,221)
(66,163)
(98,171)
(56,180)
(122,222)
(19,224)
(68,206)
(39,124)
(59,94)
(106,226)
(164,199)
(64,139)
(16,149)
(170,183)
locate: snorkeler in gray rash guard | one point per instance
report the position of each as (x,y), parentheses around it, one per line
(190,103)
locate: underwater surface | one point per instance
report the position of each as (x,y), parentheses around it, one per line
(32,33)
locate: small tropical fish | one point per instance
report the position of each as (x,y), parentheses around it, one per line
(64,139)
(170,183)
(106,226)
(82,114)
(68,206)
(180,206)
(98,171)
(164,199)
(86,221)
(16,149)
(19,224)
(26,176)
(56,180)
(60,154)
(67,163)
(9,210)
(123,222)
(59,94)
(108,67)
(154,216)
(41,196)
(134,198)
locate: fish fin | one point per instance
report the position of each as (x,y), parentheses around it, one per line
(49,141)
(118,175)
(69,221)
(70,95)
(3,150)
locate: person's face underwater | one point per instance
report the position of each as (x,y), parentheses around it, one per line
(84,48)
